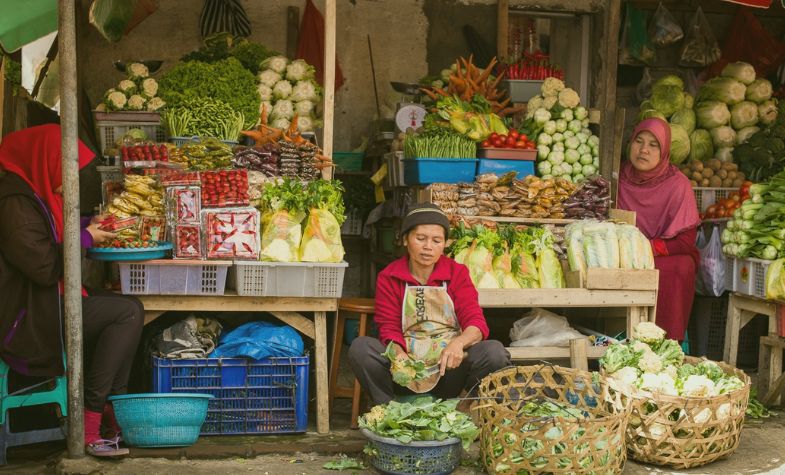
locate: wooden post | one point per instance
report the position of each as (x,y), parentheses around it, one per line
(732,327)
(607,97)
(578,357)
(322,396)
(503,28)
(329,81)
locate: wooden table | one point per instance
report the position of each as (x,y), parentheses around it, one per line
(286,309)
(640,305)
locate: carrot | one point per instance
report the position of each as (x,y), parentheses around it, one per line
(428,92)
(487,72)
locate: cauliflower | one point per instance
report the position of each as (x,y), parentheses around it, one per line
(649,333)
(269,78)
(281,123)
(534,104)
(657,430)
(626,376)
(698,385)
(650,362)
(660,382)
(155,103)
(568,98)
(402,374)
(283,109)
(115,100)
(299,70)
(136,71)
(282,90)
(711,370)
(305,91)
(703,416)
(305,123)
(150,87)
(375,415)
(551,87)
(542,116)
(127,87)
(304,108)
(100,107)
(549,102)
(266,104)
(136,102)
(672,371)
(640,346)
(265,92)
(729,384)
(723,412)
(276,64)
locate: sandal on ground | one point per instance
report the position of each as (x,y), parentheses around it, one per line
(106,448)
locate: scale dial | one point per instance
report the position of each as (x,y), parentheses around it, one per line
(409,115)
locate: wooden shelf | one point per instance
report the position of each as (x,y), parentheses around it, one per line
(569,297)
(512,219)
(551,352)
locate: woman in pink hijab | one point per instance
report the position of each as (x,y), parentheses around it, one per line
(666,214)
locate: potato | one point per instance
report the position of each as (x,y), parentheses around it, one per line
(728,166)
(738,182)
(697,176)
(693,183)
(722,174)
(705,182)
(715,181)
(727,183)
(714,163)
(732,175)
(697,165)
(708,173)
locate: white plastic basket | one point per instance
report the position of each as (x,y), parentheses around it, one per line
(353,226)
(288,279)
(749,276)
(706,197)
(112,126)
(167,277)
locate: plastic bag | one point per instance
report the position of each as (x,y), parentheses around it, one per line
(502,269)
(322,238)
(636,48)
(710,280)
(700,46)
(281,235)
(664,30)
(112,17)
(775,280)
(259,340)
(542,328)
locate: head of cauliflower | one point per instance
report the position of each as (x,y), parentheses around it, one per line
(568,98)
(650,362)
(127,86)
(155,104)
(551,87)
(116,100)
(150,87)
(136,102)
(698,385)
(137,71)
(649,333)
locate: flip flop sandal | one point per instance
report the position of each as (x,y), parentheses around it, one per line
(106,448)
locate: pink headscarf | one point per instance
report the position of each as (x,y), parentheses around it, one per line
(661,197)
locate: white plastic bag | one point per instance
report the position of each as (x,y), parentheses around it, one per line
(710,280)
(663,29)
(542,328)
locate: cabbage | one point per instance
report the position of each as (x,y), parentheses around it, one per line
(669,80)
(283,109)
(276,64)
(651,113)
(305,91)
(667,99)
(724,154)
(727,90)
(306,123)
(561,125)
(265,92)
(723,136)
(689,101)
(685,118)
(299,70)
(571,156)
(680,143)
(740,71)
(549,128)
(712,114)
(281,123)
(767,112)
(269,78)
(304,108)
(282,90)
(572,143)
(744,114)
(760,90)
(744,134)
(701,146)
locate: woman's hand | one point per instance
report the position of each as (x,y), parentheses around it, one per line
(452,356)
(98,218)
(98,234)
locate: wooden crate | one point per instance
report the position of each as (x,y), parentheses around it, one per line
(614,279)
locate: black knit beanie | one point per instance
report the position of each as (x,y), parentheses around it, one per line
(425,213)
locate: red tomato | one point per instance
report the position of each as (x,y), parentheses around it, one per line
(523,137)
(486,143)
(520,144)
(513,133)
(494,135)
(511,141)
(498,143)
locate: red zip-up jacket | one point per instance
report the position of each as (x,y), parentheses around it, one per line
(391,285)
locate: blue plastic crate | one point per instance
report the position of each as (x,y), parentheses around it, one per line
(424,171)
(267,396)
(502,166)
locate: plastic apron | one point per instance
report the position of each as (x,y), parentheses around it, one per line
(429,324)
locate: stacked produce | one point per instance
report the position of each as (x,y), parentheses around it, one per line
(137,92)
(507,257)
(288,89)
(725,207)
(670,102)
(758,225)
(713,173)
(262,159)
(532,66)
(231,233)
(512,140)
(207,154)
(591,200)
(592,243)
(764,153)
(131,214)
(203,117)
(566,148)
(438,143)
(473,118)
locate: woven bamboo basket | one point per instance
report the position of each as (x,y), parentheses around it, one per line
(685,432)
(514,444)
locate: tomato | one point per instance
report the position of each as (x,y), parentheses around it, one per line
(523,137)
(498,143)
(711,211)
(494,136)
(520,144)
(486,143)
(514,133)
(511,141)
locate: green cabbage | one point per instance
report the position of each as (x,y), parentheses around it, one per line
(701,146)
(712,114)
(689,101)
(723,136)
(669,80)
(680,144)
(685,118)
(759,91)
(651,113)
(727,90)
(667,99)
(744,114)
(740,71)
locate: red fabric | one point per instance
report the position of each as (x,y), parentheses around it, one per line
(676,293)
(659,247)
(662,198)
(310,46)
(34,155)
(391,284)
(92,426)
(752,3)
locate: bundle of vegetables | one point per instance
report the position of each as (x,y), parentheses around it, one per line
(321,240)
(284,206)
(142,196)
(422,419)
(591,200)
(725,207)
(207,154)
(262,158)
(604,244)
(566,148)
(713,173)
(220,46)
(438,143)
(225,80)
(532,66)
(764,153)
(203,117)
(288,88)
(467,81)
(137,92)
(472,118)
(758,225)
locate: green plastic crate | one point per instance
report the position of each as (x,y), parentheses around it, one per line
(348,161)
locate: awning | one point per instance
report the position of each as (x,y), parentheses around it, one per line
(24,21)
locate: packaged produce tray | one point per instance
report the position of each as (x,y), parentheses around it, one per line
(135,254)
(614,279)
(266,396)
(288,279)
(424,171)
(167,277)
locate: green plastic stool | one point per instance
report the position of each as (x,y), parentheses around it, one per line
(29,397)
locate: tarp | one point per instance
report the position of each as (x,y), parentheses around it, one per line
(24,21)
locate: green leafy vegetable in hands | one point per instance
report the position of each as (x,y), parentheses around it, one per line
(404,370)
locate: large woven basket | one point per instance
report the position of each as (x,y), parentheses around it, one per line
(513,444)
(684,432)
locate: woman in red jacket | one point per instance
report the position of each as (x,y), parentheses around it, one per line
(427,307)
(666,214)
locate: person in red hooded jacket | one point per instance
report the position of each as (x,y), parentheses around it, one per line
(427,308)
(31,283)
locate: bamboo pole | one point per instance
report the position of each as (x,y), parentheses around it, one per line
(502,28)
(71,247)
(329,78)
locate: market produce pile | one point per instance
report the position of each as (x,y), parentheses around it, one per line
(203,117)
(764,153)
(592,199)
(473,118)
(288,88)
(713,173)
(757,228)
(507,257)
(438,143)
(491,195)
(603,244)
(566,147)
(137,92)
(134,213)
